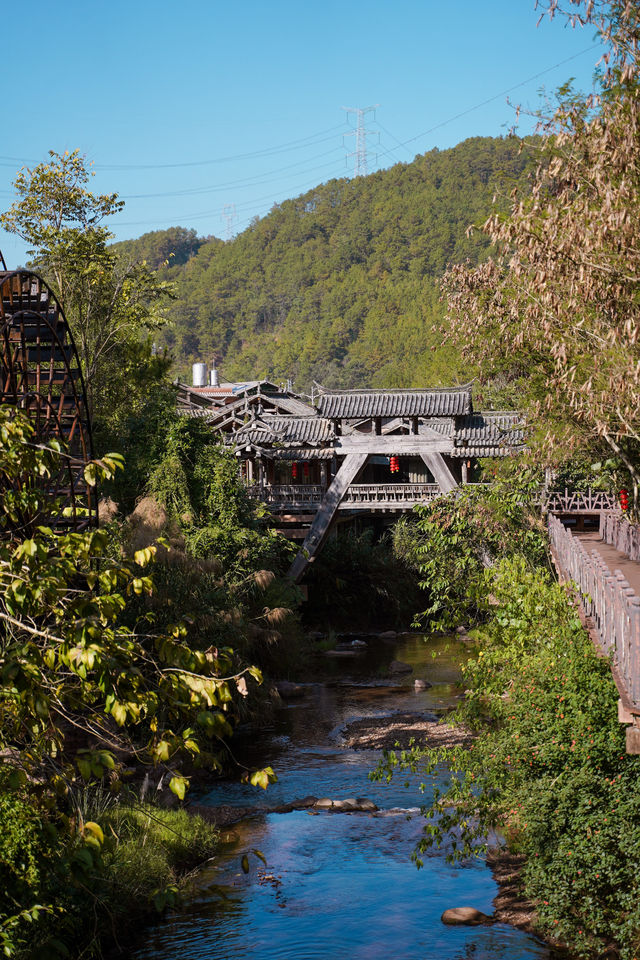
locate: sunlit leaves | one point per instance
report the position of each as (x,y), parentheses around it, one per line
(262,778)
(178,785)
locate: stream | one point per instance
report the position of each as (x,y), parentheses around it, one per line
(338,886)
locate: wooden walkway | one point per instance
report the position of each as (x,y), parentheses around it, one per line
(614,559)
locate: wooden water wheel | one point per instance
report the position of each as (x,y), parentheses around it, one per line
(40,375)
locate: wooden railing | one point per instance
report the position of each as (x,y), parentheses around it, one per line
(624,536)
(588,501)
(357,495)
(401,493)
(608,599)
(290,494)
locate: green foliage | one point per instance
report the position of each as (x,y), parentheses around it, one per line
(549,768)
(340,284)
(197,481)
(457,536)
(139,857)
(162,248)
(86,685)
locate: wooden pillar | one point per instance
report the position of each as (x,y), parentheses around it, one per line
(414,425)
(465,472)
(377,424)
(441,472)
(316,536)
(323,472)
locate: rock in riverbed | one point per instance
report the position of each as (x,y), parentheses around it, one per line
(465,916)
(397,666)
(288,690)
(350,805)
(382,733)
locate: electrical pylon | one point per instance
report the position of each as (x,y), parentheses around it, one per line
(360,133)
(229,216)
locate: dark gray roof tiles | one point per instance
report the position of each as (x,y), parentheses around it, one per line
(298,430)
(486,428)
(356,404)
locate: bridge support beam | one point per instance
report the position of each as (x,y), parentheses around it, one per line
(441,472)
(350,467)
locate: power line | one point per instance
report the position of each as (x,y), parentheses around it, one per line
(298,144)
(497,96)
(202,215)
(244,181)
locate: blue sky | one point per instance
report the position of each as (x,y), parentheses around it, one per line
(188,108)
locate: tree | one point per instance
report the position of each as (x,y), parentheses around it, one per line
(552,317)
(90,682)
(111,304)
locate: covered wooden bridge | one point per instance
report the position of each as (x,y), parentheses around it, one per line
(353,452)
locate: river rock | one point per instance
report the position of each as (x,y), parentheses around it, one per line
(305,803)
(345,806)
(288,690)
(422,684)
(466,916)
(461,631)
(366,805)
(397,666)
(349,805)
(388,635)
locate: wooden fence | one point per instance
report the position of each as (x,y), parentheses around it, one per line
(609,601)
(581,501)
(616,530)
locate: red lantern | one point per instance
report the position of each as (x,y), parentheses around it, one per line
(294,470)
(624,499)
(394,464)
(305,470)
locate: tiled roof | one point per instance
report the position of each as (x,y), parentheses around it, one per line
(247,405)
(485,427)
(356,404)
(298,430)
(489,434)
(301,453)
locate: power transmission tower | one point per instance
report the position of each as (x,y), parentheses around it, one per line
(229,216)
(361,134)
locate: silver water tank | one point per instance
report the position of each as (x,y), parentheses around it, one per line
(214,379)
(199,374)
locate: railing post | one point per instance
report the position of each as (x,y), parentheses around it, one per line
(634,651)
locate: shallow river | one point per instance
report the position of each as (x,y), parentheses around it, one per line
(338,886)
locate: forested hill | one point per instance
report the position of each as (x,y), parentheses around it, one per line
(340,284)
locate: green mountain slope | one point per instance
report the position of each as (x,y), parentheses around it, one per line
(340,284)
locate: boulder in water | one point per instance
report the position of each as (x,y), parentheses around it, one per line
(288,690)
(465,916)
(397,666)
